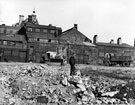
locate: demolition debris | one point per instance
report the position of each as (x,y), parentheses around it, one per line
(43,84)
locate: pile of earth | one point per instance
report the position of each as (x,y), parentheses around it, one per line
(35,84)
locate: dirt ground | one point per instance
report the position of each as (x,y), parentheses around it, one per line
(102,77)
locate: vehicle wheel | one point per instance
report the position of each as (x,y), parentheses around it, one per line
(107,64)
(127,64)
(123,64)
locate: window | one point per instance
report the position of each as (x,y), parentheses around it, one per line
(7,53)
(15,53)
(7,31)
(101,54)
(1,30)
(49,40)
(11,31)
(32,39)
(22,54)
(12,43)
(4,42)
(37,30)
(29,29)
(52,31)
(44,30)
(37,39)
(43,40)
(54,41)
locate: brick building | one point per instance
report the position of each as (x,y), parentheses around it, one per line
(40,38)
(85,51)
(116,49)
(27,41)
(13,47)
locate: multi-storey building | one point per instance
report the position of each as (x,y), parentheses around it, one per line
(27,41)
(13,47)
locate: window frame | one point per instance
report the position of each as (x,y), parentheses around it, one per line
(29,29)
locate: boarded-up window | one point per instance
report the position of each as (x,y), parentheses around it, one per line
(86,59)
(15,53)
(7,53)
(22,56)
(52,31)
(31,50)
(38,57)
(37,30)
(44,30)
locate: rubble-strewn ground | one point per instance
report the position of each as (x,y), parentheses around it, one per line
(43,84)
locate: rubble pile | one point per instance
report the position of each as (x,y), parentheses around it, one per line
(42,84)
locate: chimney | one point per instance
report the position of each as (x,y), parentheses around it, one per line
(3,25)
(112,41)
(50,25)
(119,41)
(134,42)
(95,39)
(75,26)
(21,18)
(29,18)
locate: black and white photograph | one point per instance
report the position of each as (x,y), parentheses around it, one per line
(67,52)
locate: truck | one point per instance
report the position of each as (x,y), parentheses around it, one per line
(110,60)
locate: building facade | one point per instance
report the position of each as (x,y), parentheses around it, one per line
(13,47)
(28,41)
(86,52)
(115,49)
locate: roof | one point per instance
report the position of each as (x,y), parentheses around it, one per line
(73,29)
(42,26)
(114,44)
(89,44)
(11,28)
(13,38)
(84,44)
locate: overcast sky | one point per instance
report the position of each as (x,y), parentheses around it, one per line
(109,19)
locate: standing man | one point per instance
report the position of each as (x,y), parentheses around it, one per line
(72,64)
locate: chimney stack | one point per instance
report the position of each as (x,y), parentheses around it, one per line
(134,42)
(112,41)
(95,39)
(21,18)
(119,41)
(75,26)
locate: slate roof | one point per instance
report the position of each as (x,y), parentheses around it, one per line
(42,26)
(10,28)
(73,29)
(114,44)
